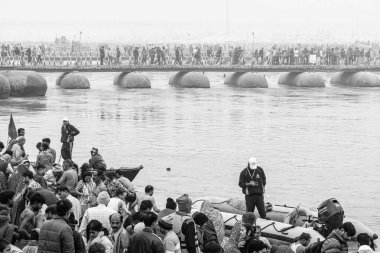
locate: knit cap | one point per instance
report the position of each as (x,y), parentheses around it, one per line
(166,222)
(200,218)
(184,203)
(103,198)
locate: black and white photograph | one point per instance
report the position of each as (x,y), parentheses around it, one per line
(202,126)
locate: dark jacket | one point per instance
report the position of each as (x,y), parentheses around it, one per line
(208,234)
(68,131)
(146,242)
(191,240)
(257,176)
(96,161)
(334,243)
(56,236)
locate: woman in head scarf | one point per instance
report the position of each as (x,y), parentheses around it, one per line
(232,245)
(216,217)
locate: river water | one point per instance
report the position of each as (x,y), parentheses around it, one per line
(313,143)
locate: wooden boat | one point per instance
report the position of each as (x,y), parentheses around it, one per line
(129,172)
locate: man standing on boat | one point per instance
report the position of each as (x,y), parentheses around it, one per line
(252,180)
(68,132)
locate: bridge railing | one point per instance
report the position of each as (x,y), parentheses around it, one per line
(91,59)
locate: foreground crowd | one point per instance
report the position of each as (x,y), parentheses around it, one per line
(53,208)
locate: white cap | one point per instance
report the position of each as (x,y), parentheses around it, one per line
(65,119)
(252,163)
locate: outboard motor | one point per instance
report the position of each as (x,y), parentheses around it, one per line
(330,215)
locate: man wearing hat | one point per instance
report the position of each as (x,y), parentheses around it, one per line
(184,226)
(96,161)
(252,181)
(171,240)
(68,132)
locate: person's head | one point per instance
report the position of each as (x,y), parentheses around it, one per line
(200,219)
(252,163)
(85,167)
(304,239)
(212,247)
(20,140)
(110,175)
(98,176)
(4,213)
(63,191)
(44,146)
(170,204)
(28,176)
(94,227)
(5,246)
(65,121)
(146,206)
(103,198)
(36,201)
(86,176)
(6,157)
(94,151)
(184,203)
(96,247)
(149,190)
(50,211)
(6,198)
(21,132)
(249,218)
(21,168)
(40,169)
(63,208)
(67,164)
(149,219)
(363,239)
(165,224)
(26,162)
(47,140)
(347,230)
(119,173)
(120,193)
(247,230)
(116,220)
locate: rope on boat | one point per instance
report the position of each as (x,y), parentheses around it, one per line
(233,217)
(282,231)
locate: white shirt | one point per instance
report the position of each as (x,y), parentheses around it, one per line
(100,213)
(76,207)
(114,203)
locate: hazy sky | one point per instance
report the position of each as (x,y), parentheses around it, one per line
(187,20)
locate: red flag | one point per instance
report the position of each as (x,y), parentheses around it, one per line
(12,132)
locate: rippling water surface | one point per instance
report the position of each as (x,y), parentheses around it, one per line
(313,144)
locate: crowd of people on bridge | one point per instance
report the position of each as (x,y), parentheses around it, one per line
(46,207)
(190,54)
